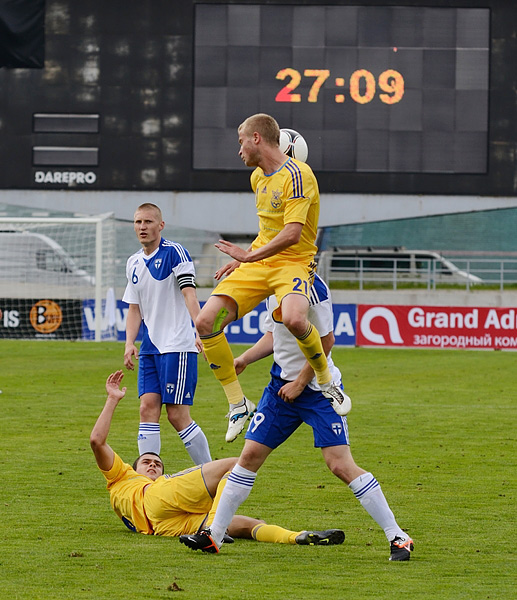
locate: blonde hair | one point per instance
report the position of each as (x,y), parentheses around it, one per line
(150,206)
(264,124)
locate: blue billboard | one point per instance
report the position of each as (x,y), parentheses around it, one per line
(247,330)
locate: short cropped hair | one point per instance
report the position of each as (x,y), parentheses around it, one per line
(264,124)
(151,206)
(135,464)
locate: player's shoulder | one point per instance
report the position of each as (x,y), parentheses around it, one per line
(168,246)
(299,175)
(295,165)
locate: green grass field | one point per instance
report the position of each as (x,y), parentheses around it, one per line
(437,429)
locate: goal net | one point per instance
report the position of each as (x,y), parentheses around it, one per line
(57,278)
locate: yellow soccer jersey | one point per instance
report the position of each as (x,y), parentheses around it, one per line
(126,488)
(289,195)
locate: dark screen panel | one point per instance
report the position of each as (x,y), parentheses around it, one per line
(135,68)
(389,72)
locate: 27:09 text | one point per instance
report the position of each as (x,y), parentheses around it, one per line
(362,85)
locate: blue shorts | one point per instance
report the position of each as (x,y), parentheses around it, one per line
(172,375)
(275,420)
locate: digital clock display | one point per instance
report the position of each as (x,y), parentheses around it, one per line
(372,89)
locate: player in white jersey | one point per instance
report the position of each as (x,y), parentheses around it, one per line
(293,397)
(161,293)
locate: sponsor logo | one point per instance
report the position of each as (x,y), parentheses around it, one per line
(46,316)
(69,178)
(382,313)
(187,395)
(9,318)
(214,366)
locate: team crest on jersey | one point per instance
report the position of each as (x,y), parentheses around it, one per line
(170,388)
(275,200)
(337,428)
(157,263)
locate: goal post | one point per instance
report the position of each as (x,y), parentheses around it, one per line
(57,277)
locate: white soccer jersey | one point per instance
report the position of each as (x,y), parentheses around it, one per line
(153,285)
(286,352)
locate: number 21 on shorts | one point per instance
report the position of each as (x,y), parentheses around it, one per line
(301,285)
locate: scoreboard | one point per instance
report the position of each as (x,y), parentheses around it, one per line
(392,96)
(372,89)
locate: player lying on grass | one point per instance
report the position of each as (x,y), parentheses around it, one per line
(293,397)
(152,503)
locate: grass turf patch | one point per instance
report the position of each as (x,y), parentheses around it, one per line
(436,428)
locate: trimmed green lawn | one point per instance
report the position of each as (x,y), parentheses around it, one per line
(437,429)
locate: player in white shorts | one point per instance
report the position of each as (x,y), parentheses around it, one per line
(161,293)
(293,397)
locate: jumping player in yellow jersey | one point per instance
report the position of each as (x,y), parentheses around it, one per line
(149,502)
(280,261)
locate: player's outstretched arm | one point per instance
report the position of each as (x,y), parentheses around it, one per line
(104,454)
(289,236)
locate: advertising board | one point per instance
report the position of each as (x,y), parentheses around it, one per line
(437,327)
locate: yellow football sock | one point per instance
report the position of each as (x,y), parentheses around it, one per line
(220,358)
(310,345)
(274,534)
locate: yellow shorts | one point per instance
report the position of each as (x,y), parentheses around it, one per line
(178,504)
(252,283)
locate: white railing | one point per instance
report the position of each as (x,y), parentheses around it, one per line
(429,273)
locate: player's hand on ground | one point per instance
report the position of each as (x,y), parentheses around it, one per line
(113,386)
(130,351)
(290,391)
(226,269)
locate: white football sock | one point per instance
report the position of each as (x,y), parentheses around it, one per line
(195,443)
(368,491)
(237,489)
(149,438)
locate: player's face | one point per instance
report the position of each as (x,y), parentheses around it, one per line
(248,148)
(150,466)
(148,228)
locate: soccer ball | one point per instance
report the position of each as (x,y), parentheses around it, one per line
(293,144)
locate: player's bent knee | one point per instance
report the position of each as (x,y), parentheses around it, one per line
(296,325)
(204,324)
(252,459)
